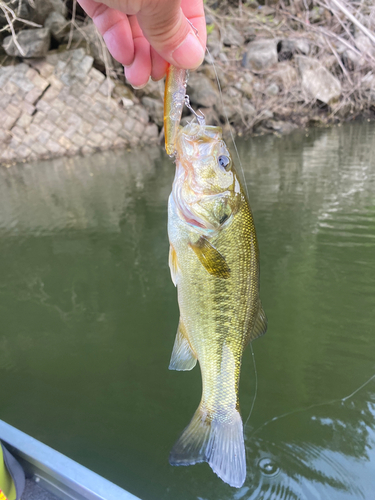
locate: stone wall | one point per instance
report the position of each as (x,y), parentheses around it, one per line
(61,105)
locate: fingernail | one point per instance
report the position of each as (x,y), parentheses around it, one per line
(189,54)
(138,87)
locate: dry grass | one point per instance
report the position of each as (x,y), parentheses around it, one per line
(340,34)
(12,17)
(341,37)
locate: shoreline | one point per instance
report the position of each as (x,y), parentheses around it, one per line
(278,70)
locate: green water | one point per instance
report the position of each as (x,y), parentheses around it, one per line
(88,316)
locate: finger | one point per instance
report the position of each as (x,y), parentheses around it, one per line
(114,27)
(158,65)
(138,73)
(166,28)
(129,7)
(194,11)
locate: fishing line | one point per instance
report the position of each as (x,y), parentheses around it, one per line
(256,385)
(227,120)
(315,405)
(247,193)
(244,183)
(223,106)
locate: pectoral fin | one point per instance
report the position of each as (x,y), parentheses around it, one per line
(260,325)
(210,258)
(182,358)
(173,264)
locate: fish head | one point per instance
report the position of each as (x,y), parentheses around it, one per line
(206,188)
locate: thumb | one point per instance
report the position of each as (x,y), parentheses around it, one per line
(170,34)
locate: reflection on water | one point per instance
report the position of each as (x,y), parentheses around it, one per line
(88,318)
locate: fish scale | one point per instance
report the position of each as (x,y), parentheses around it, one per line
(214,261)
(218,295)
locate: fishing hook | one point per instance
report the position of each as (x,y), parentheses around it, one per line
(199,116)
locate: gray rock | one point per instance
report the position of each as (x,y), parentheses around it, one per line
(87,36)
(318,81)
(267,10)
(272,89)
(58,25)
(258,86)
(39,10)
(289,46)
(232,37)
(107,87)
(248,109)
(213,72)
(316,14)
(239,111)
(266,114)
(249,33)
(152,89)
(223,58)
(154,108)
(23,12)
(127,103)
(366,48)
(210,115)
(281,127)
(301,45)
(201,90)
(368,81)
(233,92)
(245,87)
(151,132)
(285,74)
(35,43)
(249,78)
(260,55)
(122,91)
(214,45)
(71,65)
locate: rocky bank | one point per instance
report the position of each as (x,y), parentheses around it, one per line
(280,66)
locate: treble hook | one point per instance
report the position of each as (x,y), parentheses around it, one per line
(199,116)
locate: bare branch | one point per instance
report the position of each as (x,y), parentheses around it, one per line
(10,22)
(354,20)
(72,24)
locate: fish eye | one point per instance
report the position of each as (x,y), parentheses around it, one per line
(224,161)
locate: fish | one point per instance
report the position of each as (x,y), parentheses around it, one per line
(214,263)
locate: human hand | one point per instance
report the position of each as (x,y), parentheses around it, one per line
(146,35)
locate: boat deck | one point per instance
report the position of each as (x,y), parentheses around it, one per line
(35,492)
(53,476)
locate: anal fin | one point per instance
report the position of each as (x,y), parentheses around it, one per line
(182,358)
(260,324)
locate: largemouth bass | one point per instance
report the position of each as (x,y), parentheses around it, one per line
(214,263)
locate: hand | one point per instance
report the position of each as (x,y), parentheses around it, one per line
(144,35)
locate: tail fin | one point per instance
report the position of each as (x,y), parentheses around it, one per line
(221,444)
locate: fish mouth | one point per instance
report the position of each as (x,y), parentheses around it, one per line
(193,221)
(186,212)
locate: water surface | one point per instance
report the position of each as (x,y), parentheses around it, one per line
(88,316)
